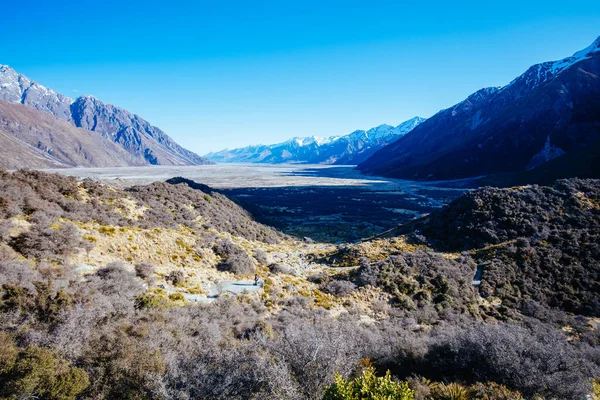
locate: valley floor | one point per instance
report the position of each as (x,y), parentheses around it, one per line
(325,203)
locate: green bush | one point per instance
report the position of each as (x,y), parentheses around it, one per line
(35,372)
(368,387)
(176,297)
(148,300)
(450,391)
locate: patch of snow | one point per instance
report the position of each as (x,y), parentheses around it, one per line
(547,153)
(476,120)
(581,55)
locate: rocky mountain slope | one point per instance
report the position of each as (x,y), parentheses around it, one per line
(146,144)
(342,150)
(39,140)
(549,111)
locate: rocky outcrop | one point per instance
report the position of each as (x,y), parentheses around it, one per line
(133,133)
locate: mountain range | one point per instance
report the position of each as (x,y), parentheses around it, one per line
(349,149)
(543,125)
(40,127)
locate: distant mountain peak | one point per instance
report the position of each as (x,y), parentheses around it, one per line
(302,141)
(410,124)
(347,149)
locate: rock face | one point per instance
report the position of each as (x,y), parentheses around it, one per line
(17,88)
(133,133)
(147,144)
(33,139)
(350,149)
(549,112)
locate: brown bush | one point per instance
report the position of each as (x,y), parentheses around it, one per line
(145,271)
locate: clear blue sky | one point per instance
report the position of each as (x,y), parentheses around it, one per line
(216,74)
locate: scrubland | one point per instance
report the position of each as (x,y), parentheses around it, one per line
(95,283)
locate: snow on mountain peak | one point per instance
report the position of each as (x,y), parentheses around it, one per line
(322,150)
(308,140)
(409,125)
(302,141)
(544,72)
(560,65)
(380,131)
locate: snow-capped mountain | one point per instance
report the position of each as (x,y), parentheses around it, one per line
(537,120)
(146,143)
(352,148)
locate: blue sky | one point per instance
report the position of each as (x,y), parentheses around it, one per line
(216,74)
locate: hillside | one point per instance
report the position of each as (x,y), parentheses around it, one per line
(349,149)
(535,246)
(545,114)
(147,292)
(38,140)
(146,144)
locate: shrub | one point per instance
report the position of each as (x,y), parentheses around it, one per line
(226,248)
(423,279)
(280,269)
(321,277)
(492,391)
(315,348)
(236,260)
(107,230)
(8,353)
(37,372)
(340,288)
(45,242)
(450,391)
(145,271)
(176,277)
(117,282)
(5,227)
(239,264)
(368,387)
(491,215)
(536,362)
(18,273)
(176,297)
(122,366)
(181,201)
(148,300)
(261,256)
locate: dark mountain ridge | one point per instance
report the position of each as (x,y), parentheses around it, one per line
(549,111)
